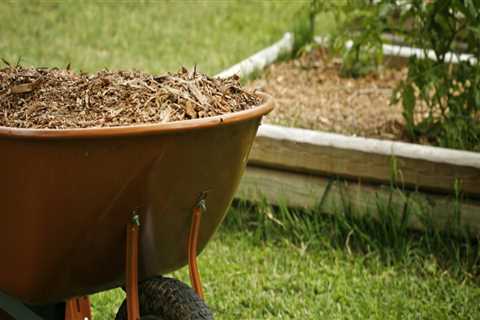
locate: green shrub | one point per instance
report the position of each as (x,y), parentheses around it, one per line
(441,100)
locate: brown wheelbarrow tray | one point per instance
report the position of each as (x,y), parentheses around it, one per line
(67,197)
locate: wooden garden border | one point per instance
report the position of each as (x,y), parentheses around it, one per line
(294,166)
(329,195)
(394,51)
(261,59)
(368,160)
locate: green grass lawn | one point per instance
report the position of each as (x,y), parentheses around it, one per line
(149,36)
(251,271)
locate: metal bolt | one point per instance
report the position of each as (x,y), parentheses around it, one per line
(202,204)
(136,219)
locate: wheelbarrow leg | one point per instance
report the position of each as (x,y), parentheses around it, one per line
(131,282)
(78,309)
(133,309)
(192,247)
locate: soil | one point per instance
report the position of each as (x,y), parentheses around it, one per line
(310,93)
(61,99)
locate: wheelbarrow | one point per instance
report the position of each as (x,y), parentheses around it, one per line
(87,210)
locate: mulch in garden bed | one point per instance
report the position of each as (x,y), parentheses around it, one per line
(61,99)
(310,93)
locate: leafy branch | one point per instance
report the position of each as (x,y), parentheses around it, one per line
(441,100)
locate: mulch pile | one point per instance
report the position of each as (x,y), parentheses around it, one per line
(61,99)
(311,93)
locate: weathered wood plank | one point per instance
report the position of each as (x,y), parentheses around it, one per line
(261,59)
(362,159)
(307,191)
(406,52)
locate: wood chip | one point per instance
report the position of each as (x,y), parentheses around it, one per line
(189,110)
(61,99)
(197,94)
(22,88)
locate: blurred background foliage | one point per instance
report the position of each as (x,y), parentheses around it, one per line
(441,100)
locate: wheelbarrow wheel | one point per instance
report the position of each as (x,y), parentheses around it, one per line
(164,298)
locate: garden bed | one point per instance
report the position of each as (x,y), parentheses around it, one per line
(310,93)
(296,166)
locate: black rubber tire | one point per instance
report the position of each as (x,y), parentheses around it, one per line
(164,298)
